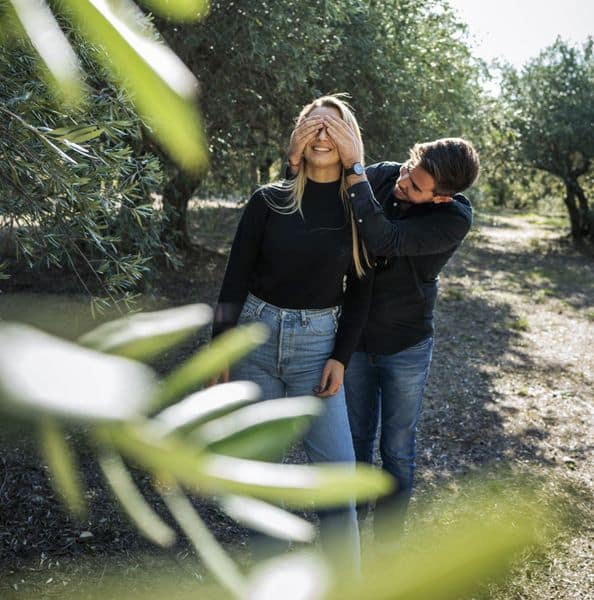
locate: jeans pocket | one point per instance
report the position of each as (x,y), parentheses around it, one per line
(422,346)
(323,325)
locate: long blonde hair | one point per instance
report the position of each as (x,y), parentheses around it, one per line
(296,186)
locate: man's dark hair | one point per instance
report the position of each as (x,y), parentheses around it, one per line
(452,162)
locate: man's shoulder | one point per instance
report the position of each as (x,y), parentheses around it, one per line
(462,205)
(382,172)
(459,209)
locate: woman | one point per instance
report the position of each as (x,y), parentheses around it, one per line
(294,245)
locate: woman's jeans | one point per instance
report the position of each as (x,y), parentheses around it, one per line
(391,387)
(290,363)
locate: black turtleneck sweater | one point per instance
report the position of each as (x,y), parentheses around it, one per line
(296,261)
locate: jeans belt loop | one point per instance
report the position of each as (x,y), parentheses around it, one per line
(260,308)
(303,318)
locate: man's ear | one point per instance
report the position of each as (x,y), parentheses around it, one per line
(441,199)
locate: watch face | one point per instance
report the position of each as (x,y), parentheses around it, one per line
(358,169)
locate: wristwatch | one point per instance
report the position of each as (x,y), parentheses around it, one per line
(355,169)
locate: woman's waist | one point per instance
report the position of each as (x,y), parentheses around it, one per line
(259,304)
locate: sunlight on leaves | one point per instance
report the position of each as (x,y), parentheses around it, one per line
(146,335)
(53,47)
(41,374)
(262,431)
(148,69)
(298,486)
(301,576)
(207,404)
(268,518)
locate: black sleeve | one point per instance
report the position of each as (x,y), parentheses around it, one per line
(378,173)
(241,263)
(431,233)
(355,309)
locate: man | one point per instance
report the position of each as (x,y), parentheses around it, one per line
(411,218)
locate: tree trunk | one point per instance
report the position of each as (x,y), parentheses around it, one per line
(264,172)
(176,196)
(572,209)
(587,215)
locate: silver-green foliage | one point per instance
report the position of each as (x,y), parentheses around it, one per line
(162,89)
(74,192)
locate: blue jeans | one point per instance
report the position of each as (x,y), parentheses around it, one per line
(388,388)
(290,363)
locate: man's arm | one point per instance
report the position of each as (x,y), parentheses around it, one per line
(439,231)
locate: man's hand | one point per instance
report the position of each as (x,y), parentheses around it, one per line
(222,377)
(332,378)
(345,139)
(304,132)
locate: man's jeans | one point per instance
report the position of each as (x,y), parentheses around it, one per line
(388,388)
(290,363)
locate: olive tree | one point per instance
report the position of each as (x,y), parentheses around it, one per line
(404,63)
(74,192)
(552,106)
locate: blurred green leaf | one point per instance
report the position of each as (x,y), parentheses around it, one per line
(146,335)
(180,10)
(448,562)
(132,501)
(210,361)
(63,466)
(41,374)
(207,404)
(207,547)
(298,486)
(54,49)
(268,518)
(295,485)
(262,431)
(148,69)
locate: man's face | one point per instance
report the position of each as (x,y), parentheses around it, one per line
(414,185)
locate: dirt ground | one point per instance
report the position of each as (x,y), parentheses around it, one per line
(510,392)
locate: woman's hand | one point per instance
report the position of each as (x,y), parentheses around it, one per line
(332,378)
(304,132)
(346,141)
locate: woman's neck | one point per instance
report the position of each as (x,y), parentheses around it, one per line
(323,175)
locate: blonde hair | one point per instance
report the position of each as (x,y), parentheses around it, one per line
(296,187)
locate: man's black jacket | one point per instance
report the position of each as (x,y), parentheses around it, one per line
(411,244)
